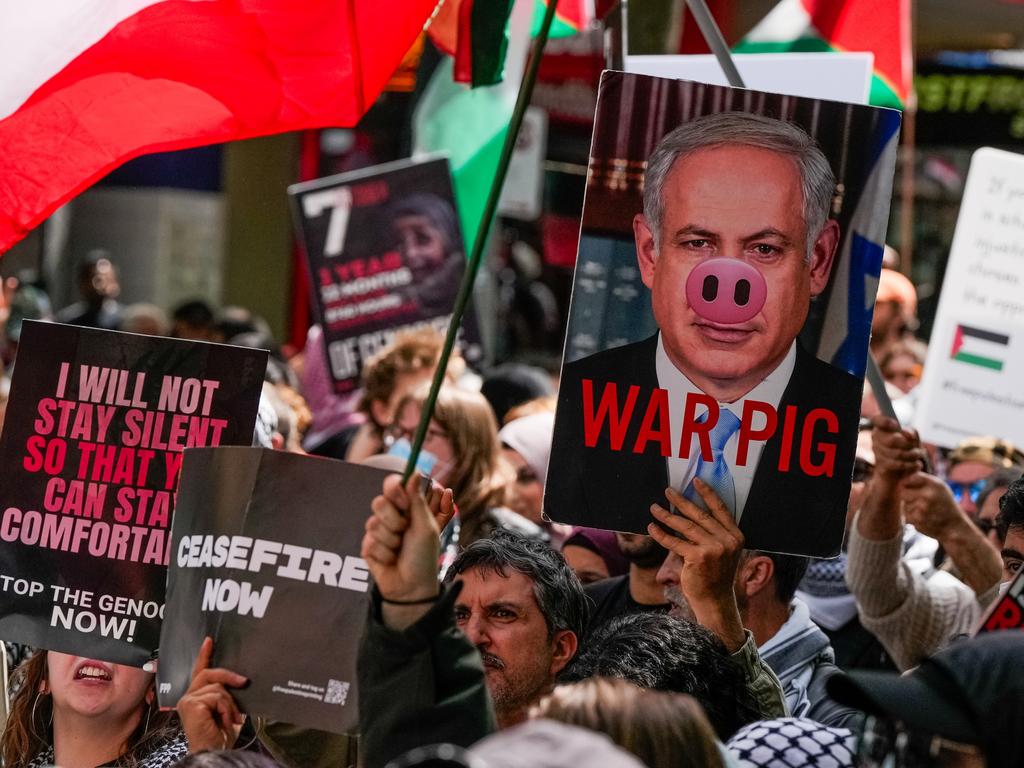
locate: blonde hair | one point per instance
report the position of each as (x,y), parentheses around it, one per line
(480,475)
(409,352)
(659,727)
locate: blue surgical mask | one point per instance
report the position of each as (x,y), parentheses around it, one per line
(425,462)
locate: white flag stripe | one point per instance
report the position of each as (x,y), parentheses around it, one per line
(787,21)
(39,39)
(869,221)
(974,346)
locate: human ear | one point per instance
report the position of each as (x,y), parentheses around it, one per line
(822,256)
(646,250)
(754,575)
(565,644)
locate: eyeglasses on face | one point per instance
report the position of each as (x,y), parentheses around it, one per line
(397,432)
(973,490)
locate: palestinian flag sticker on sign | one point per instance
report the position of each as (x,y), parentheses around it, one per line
(976,346)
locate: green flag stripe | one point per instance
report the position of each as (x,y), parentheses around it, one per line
(984,362)
(559,27)
(472,181)
(882,94)
(800,45)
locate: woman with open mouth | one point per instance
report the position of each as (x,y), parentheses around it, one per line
(82,713)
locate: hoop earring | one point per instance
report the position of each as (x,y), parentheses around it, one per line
(32,718)
(149,714)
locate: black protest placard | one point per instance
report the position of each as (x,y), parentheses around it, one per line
(91,449)
(385,253)
(1007,612)
(266,562)
(721,309)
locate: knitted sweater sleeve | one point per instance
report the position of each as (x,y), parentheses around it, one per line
(912,617)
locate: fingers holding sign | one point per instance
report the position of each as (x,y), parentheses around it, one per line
(209,715)
(401,547)
(898,452)
(710,545)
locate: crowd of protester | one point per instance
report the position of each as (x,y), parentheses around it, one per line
(497,637)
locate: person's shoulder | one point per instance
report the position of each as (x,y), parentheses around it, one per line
(614,359)
(72,313)
(599,591)
(503,517)
(167,752)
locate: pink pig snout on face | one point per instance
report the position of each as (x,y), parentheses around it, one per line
(726,290)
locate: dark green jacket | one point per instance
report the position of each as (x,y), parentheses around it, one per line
(423,685)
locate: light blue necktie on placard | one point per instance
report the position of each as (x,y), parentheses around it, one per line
(715,473)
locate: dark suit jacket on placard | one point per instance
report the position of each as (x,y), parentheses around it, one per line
(788,512)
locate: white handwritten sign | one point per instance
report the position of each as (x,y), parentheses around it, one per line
(975,366)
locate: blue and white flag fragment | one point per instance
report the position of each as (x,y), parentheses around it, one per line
(847,329)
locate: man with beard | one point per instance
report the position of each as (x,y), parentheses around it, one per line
(637,591)
(524,610)
(513,598)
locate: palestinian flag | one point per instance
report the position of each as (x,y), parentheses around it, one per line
(571,17)
(470,124)
(88,85)
(475,33)
(881,27)
(986,349)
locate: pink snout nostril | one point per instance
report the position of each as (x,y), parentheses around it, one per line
(725,290)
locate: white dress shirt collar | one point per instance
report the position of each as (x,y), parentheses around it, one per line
(770,390)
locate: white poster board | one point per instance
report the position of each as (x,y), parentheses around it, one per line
(975,366)
(523,193)
(834,76)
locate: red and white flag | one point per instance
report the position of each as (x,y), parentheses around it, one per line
(89,84)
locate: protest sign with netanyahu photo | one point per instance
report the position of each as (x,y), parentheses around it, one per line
(91,450)
(385,253)
(259,563)
(730,248)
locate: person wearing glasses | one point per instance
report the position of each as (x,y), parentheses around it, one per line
(461,451)
(911,615)
(962,708)
(971,463)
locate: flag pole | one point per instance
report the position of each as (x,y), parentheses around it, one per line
(476,255)
(713,37)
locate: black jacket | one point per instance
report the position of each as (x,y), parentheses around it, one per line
(424,685)
(785,511)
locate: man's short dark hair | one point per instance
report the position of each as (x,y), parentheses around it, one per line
(1001,478)
(196,313)
(789,572)
(663,653)
(1011,508)
(555,585)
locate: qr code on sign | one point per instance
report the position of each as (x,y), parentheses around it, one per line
(337,692)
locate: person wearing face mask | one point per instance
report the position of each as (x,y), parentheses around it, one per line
(82,713)
(461,451)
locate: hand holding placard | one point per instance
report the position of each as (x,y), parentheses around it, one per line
(209,715)
(710,545)
(898,452)
(401,548)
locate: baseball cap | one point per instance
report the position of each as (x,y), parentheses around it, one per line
(987,450)
(971,692)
